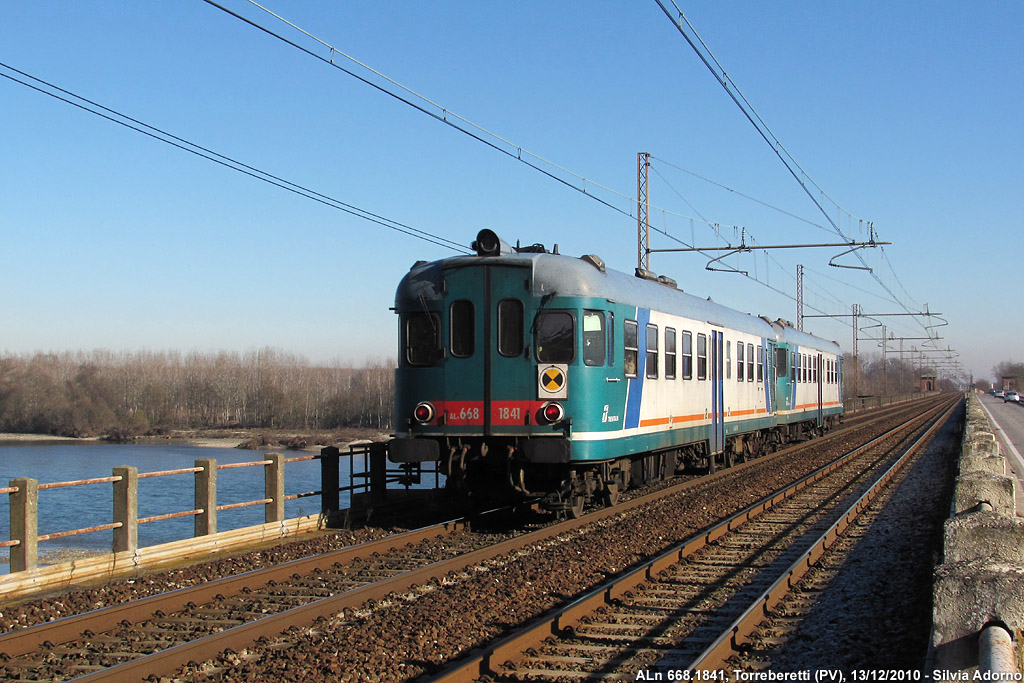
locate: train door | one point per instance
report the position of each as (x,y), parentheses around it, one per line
(717,441)
(487,352)
(784,386)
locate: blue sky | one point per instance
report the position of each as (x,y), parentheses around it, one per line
(906,114)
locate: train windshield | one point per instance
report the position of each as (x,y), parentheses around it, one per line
(555,337)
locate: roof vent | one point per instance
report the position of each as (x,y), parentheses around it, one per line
(667,281)
(646,274)
(594,260)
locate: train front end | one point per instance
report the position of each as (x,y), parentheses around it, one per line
(481,382)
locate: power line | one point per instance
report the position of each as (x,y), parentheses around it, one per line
(443,115)
(787,159)
(114,116)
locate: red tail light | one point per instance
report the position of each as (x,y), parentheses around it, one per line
(423,412)
(552,412)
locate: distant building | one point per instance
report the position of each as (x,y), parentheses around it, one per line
(1009,383)
(928,383)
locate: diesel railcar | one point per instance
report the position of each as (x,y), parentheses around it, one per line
(529,374)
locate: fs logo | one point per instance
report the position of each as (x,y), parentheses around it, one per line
(605,417)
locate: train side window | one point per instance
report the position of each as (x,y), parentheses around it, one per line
(728,360)
(652,352)
(750,362)
(593,338)
(510,327)
(460,322)
(670,353)
(422,341)
(631,353)
(554,337)
(739,361)
(760,363)
(702,356)
(687,355)
(792,369)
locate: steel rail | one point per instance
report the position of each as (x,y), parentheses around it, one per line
(738,633)
(70,628)
(487,660)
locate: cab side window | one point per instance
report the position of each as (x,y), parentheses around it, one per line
(593,338)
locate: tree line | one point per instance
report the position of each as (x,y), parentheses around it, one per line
(127,394)
(879,376)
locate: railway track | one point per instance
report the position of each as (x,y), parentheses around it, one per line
(695,607)
(235,624)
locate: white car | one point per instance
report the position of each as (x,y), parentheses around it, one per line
(1011,396)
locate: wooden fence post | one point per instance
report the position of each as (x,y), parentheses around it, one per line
(273,473)
(206,497)
(126,509)
(24,524)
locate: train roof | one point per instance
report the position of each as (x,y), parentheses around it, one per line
(587,277)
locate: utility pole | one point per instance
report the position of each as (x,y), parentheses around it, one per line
(643,209)
(856,360)
(800,297)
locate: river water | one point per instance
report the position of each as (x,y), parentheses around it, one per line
(90,505)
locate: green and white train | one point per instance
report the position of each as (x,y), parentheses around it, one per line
(528,374)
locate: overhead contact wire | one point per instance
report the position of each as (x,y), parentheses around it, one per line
(441,118)
(210,155)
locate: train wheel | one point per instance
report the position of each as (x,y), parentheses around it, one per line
(729,460)
(576,504)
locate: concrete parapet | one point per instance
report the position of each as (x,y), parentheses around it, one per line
(982,443)
(982,463)
(983,487)
(981,580)
(984,534)
(968,596)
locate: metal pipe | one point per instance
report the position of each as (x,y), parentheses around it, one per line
(995,650)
